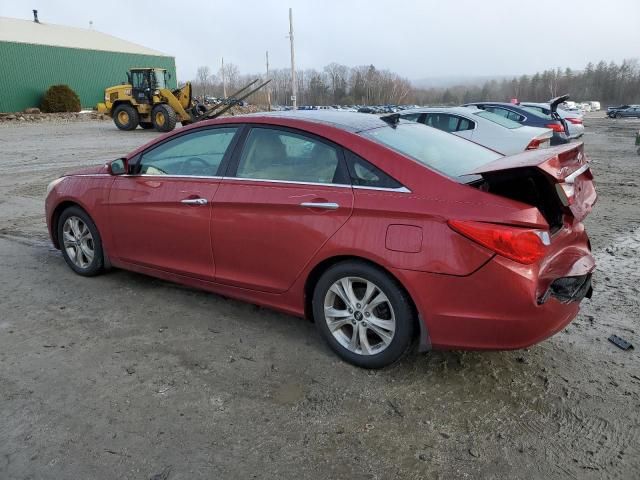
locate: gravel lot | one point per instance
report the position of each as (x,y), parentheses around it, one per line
(124,377)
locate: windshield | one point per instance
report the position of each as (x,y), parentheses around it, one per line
(499,119)
(442,151)
(160,80)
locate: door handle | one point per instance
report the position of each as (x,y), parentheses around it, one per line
(323,205)
(194,201)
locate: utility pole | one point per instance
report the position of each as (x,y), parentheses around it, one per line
(268,86)
(224,83)
(294,86)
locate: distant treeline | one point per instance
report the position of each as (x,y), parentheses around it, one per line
(337,84)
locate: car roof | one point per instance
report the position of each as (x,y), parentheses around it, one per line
(460,110)
(350,121)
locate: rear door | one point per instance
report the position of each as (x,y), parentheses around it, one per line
(285,195)
(161,211)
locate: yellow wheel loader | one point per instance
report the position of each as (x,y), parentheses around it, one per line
(146,101)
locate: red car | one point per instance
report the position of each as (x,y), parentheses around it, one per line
(381,231)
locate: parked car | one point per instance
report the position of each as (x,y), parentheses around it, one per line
(483,127)
(380,230)
(573,119)
(624,111)
(528,116)
(595,106)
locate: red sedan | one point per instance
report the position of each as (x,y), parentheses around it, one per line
(380,231)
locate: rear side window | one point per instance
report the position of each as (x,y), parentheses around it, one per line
(505,122)
(441,121)
(538,113)
(447,122)
(465,124)
(364,174)
(272,154)
(503,112)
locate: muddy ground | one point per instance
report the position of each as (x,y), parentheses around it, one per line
(124,377)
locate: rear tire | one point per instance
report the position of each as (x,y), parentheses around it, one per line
(163,117)
(146,125)
(80,242)
(364,315)
(126,117)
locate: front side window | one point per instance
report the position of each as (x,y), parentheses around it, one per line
(271,154)
(195,154)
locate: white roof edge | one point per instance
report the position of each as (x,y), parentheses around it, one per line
(30,32)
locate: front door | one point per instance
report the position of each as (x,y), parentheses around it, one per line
(141,85)
(161,212)
(287,193)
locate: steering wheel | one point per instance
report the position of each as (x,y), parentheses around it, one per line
(194,166)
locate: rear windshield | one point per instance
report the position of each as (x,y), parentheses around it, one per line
(442,151)
(499,119)
(536,112)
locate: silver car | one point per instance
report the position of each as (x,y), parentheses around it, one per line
(488,129)
(572,119)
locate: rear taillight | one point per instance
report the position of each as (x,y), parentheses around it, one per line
(538,143)
(556,127)
(523,245)
(575,121)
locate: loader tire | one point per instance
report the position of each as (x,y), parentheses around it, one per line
(126,117)
(163,117)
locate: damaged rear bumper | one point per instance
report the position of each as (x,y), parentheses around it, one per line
(568,289)
(505,305)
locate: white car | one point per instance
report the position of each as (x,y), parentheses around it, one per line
(488,129)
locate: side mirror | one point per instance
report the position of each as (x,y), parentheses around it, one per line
(117,167)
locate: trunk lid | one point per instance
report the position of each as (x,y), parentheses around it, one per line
(557,180)
(553,104)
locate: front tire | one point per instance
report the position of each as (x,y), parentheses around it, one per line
(618,115)
(126,117)
(364,315)
(163,117)
(80,242)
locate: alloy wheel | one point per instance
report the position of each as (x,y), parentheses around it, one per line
(78,242)
(359,315)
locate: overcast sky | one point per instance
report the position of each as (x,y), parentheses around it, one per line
(417,39)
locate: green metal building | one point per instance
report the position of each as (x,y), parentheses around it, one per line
(35,55)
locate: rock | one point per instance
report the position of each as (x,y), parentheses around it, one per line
(11,117)
(32,111)
(474,453)
(21,119)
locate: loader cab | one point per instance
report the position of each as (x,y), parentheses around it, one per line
(144,81)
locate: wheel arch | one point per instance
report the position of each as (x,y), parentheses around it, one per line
(117,103)
(55,217)
(321,267)
(316,272)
